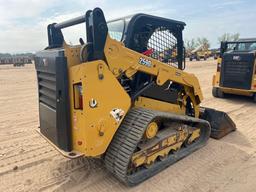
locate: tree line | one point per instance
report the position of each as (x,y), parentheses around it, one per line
(7,55)
(204,42)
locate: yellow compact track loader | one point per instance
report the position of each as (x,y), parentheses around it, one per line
(236,69)
(123,95)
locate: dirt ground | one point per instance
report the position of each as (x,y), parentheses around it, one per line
(29,163)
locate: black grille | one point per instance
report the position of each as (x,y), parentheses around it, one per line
(54,113)
(237,70)
(162,45)
(47,88)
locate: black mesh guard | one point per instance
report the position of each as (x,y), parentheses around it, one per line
(156,37)
(162,45)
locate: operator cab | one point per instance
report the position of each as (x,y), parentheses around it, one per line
(156,37)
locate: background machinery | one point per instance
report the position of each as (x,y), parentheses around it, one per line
(123,95)
(17,61)
(215,53)
(200,53)
(236,70)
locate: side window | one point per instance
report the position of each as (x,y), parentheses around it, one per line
(252,47)
(115,29)
(231,47)
(241,47)
(162,45)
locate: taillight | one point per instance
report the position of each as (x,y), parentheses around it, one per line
(218,67)
(80,99)
(78,96)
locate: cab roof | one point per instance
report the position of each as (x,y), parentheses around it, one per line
(128,18)
(247,39)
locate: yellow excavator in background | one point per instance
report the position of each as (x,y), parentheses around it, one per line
(200,53)
(123,95)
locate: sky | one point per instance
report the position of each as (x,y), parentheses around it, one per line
(23,23)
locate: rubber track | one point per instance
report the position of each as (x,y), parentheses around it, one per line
(129,134)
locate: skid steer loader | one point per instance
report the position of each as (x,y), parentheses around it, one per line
(120,95)
(236,69)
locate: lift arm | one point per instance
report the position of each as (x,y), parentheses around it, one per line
(121,59)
